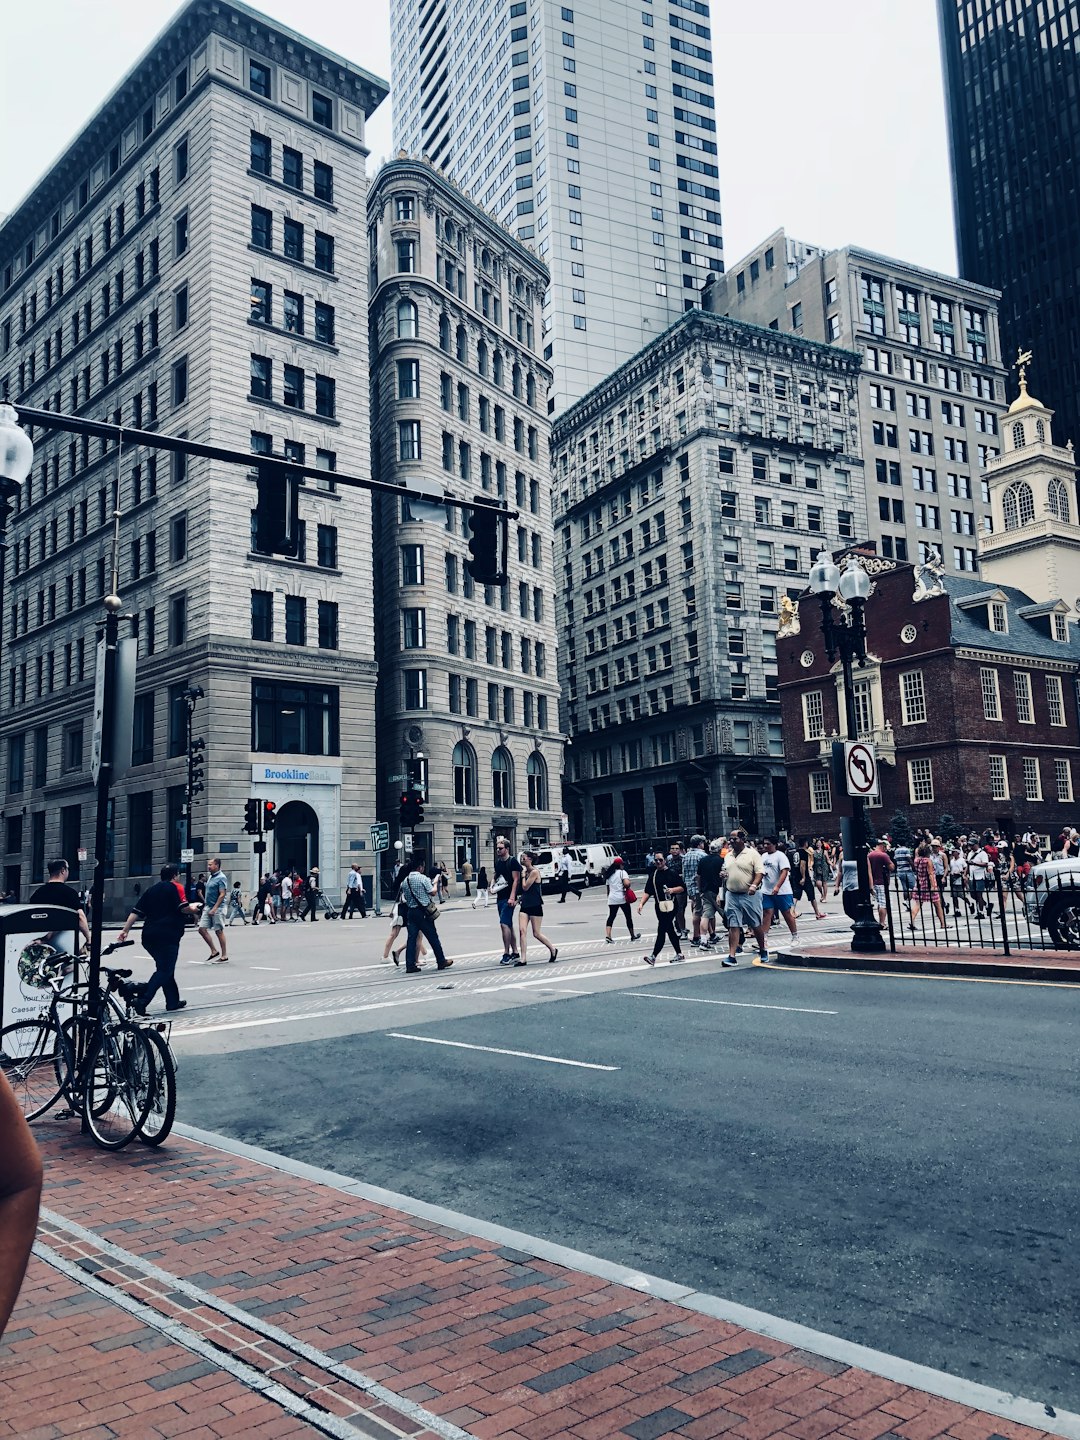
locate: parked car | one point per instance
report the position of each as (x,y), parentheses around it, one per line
(1053,901)
(596,859)
(547,862)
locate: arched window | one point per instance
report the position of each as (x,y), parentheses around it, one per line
(1057,500)
(530,388)
(502,780)
(1040,431)
(497,374)
(516,381)
(537,777)
(1019,440)
(464,774)
(444,333)
(1018,504)
(462,345)
(408,322)
(482,359)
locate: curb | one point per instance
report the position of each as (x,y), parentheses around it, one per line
(1006,969)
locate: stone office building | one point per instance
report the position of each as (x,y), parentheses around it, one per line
(693,489)
(195,263)
(468,682)
(931,390)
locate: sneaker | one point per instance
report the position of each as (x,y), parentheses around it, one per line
(180,1005)
(697,944)
(764,957)
(649,959)
(609,941)
(730,960)
(507,960)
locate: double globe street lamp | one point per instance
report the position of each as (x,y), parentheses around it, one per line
(845,635)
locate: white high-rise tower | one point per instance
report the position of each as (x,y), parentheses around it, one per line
(589,130)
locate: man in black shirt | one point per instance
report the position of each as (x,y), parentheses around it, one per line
(161,909)
(507,886)
(708,884)
(56,891)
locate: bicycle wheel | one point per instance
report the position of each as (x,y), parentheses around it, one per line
(118,1086)
(162,1112)
(36,1060)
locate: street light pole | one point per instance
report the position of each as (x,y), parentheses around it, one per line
(847,638)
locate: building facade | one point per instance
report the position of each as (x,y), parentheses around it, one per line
(693,490)
(468,681)
(195,263)
(932,389)
(590,132)
(970,687)
(1011,77)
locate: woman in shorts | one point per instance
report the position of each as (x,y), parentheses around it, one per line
(531,909)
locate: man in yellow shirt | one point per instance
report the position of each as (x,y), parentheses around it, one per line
(743,875)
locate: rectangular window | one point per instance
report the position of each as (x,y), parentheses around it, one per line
(408,439)
(324,252)
(813,715)
(412,564)
(292,393)
(178,538)
(328,625)
(1054,700)
(178,619)
(415,689)
(295,620)
(292,168)
(999,778)
(259,79)
(324,323)
(327,551)
(820,792)
(991,696)
(293,312)
(262,615)
(262,382)
(322,110)
(1024,710)
(1032,778)
(73,747)
(324,182)
(1063,779)
(289,719)
(141,833)
(325,397)
(260,153)
(414,628)
(294,240)
(913,697)
(920,782)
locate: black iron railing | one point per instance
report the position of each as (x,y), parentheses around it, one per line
(1007,912)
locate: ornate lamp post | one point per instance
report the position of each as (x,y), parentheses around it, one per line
(845,635)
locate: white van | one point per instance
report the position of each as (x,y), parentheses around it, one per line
(596,859)
(547,862)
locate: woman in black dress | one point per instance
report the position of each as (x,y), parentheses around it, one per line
(162,912)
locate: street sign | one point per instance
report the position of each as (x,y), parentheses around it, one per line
(380,836)
(397,779)
(187,855)
(407,844)
(860,768)
(80,853)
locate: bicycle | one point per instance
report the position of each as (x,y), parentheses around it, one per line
(117,1073)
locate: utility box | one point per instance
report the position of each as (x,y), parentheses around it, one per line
(30,937)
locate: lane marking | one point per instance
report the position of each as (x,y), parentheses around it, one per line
(255,1323)
(221,985)
(494,1050)
(275,968)
(736,1004)
(587,975)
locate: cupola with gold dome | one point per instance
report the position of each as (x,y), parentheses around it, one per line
(1034,542)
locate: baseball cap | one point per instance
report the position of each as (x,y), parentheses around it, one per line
(618,860)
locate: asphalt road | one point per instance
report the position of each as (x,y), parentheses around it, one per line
(900,1172)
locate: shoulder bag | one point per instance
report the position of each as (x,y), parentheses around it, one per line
(430,909)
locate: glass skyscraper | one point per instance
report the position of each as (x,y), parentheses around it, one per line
(1011,75)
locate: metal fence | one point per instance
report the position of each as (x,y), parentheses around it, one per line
(1011,913)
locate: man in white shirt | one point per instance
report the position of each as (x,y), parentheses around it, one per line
(286,897)
(354,894)
(776,892)
(980,876)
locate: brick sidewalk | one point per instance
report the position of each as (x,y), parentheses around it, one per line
(228,1298)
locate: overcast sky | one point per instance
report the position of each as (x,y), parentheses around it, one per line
(830,112)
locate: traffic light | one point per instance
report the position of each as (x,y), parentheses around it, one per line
(251,817)
(269,814)
(277,511)
(195,767)
(411,811)
(487,543)
(416,779)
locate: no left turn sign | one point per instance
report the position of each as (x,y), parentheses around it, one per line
(860,767)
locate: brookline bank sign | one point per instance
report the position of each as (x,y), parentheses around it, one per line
(296,774)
